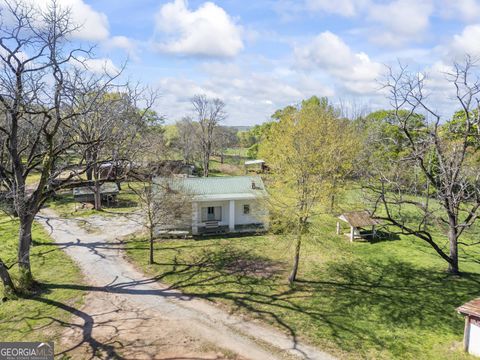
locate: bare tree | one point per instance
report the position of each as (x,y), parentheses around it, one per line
(439,163)
(109,134)
(210,113)
(41,90)
(224,137)
(163,207)
(187,142)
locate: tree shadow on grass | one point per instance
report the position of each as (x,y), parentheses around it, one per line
(360,306)
(379,304)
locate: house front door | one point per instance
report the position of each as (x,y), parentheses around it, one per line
(210,213)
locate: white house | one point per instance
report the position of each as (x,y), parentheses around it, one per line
(229,204)
(471,336)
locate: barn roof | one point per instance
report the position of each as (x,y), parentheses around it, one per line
(359,218)
(470,308)
(219,188)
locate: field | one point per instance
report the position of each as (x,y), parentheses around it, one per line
(389,298)
(383,299)
(38,316)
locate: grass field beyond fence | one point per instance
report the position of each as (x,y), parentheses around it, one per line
(387,299)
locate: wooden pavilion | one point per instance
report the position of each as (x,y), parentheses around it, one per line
(361,223)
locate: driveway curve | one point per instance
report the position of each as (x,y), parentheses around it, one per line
(128,315)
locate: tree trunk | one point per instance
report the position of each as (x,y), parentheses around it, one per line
(89,172)
(296,259)
(452,239)
(24,244)
(151,260)
(9,289)
(89,165)
(206,164)
(97,196)
(332,196)
(222,155)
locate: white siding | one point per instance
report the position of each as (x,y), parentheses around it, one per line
(254,217)
(474,341)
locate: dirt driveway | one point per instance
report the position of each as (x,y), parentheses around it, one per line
(128,315)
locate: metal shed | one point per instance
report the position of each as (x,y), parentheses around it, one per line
(471,336)
(255,166)
(108,191)
(358,221)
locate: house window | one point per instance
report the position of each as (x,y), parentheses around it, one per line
(246,209)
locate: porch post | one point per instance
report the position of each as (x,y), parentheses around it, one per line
(352,233)
(194,218)
(231,215)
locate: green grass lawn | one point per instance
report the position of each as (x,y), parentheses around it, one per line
(38,317)
(386,299)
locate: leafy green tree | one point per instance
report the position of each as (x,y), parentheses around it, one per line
(307,149)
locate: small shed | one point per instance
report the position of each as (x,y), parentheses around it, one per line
(108,191)
(358,222)
(471,336)
(255,165)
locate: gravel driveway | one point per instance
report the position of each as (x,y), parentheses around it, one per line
(128,315)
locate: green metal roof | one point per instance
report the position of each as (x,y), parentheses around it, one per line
(215,187)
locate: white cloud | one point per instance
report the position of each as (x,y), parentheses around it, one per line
(207,31)
(404,20)
(467,10)
(355,71)
(251,97)
(93,24)
(345,8)
(437,77)
(97,66)
(124,43)
(465,43)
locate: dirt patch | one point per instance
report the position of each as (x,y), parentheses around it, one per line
(238,262)
(255,267)
(118,329)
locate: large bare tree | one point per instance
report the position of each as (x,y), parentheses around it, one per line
(432,191)
(210,113)
(42,89)
(187,141)
(110,133)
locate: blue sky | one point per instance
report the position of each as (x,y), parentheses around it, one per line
(259,56)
